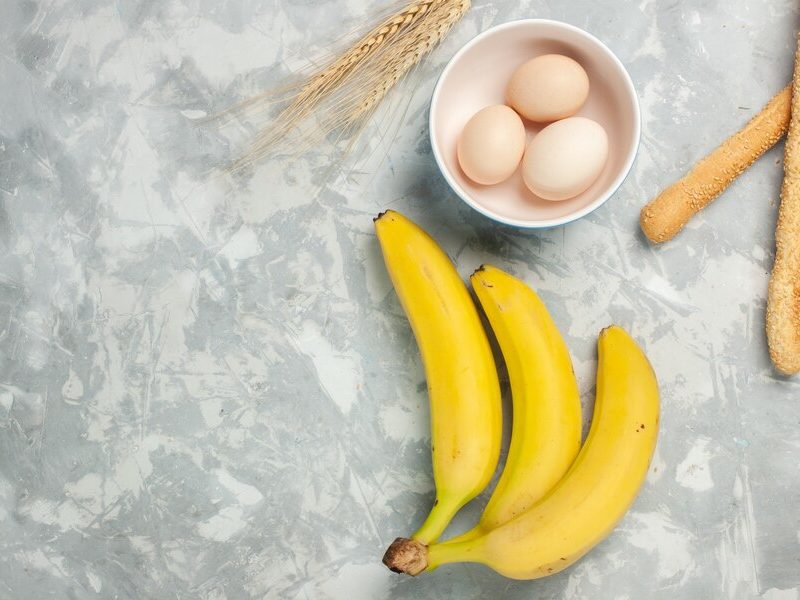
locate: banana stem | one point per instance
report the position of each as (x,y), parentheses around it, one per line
(451,552)
(438,519)
(476,531)
(412,557)
(406,556)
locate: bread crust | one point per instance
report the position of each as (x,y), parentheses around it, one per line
(664,216)
(783,299)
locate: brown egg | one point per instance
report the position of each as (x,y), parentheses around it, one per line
(491,145)
(548,88)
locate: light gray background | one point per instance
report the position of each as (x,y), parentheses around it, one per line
(208,389)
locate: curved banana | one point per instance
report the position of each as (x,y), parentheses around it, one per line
(546,433)
(466,413)
(592,497)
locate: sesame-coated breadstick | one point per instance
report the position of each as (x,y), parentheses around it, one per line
(783,301)
(664,216)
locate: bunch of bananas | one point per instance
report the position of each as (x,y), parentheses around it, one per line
(555,500)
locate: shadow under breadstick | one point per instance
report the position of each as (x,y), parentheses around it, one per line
(664,216)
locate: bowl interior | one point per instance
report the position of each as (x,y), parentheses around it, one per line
(478,76)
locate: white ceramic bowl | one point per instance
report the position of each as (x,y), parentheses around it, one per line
(477,76)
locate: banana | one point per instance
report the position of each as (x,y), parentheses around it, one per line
(466,414)
(546,433)
(592,497)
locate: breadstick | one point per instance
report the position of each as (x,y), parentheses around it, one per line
(664,216)
(783,299)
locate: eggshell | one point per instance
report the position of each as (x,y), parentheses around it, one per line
(491,145)
(548,88)
(565,158)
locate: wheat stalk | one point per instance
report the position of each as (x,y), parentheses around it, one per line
(343,93)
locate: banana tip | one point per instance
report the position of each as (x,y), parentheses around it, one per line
(406,556)
(381,215)
(481,270)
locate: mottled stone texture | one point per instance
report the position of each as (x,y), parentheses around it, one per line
(207,386)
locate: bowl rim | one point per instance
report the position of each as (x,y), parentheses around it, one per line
(544,223)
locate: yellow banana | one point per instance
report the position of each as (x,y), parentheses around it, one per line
(546,434)
(592,497)
(466,415)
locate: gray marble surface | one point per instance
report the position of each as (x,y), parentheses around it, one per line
(207,386)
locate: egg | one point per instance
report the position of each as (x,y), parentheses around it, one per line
(548,88)
(565,158)
(491,145)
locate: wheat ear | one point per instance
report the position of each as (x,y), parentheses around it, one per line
(325,81)
(349,88)
(422,42)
